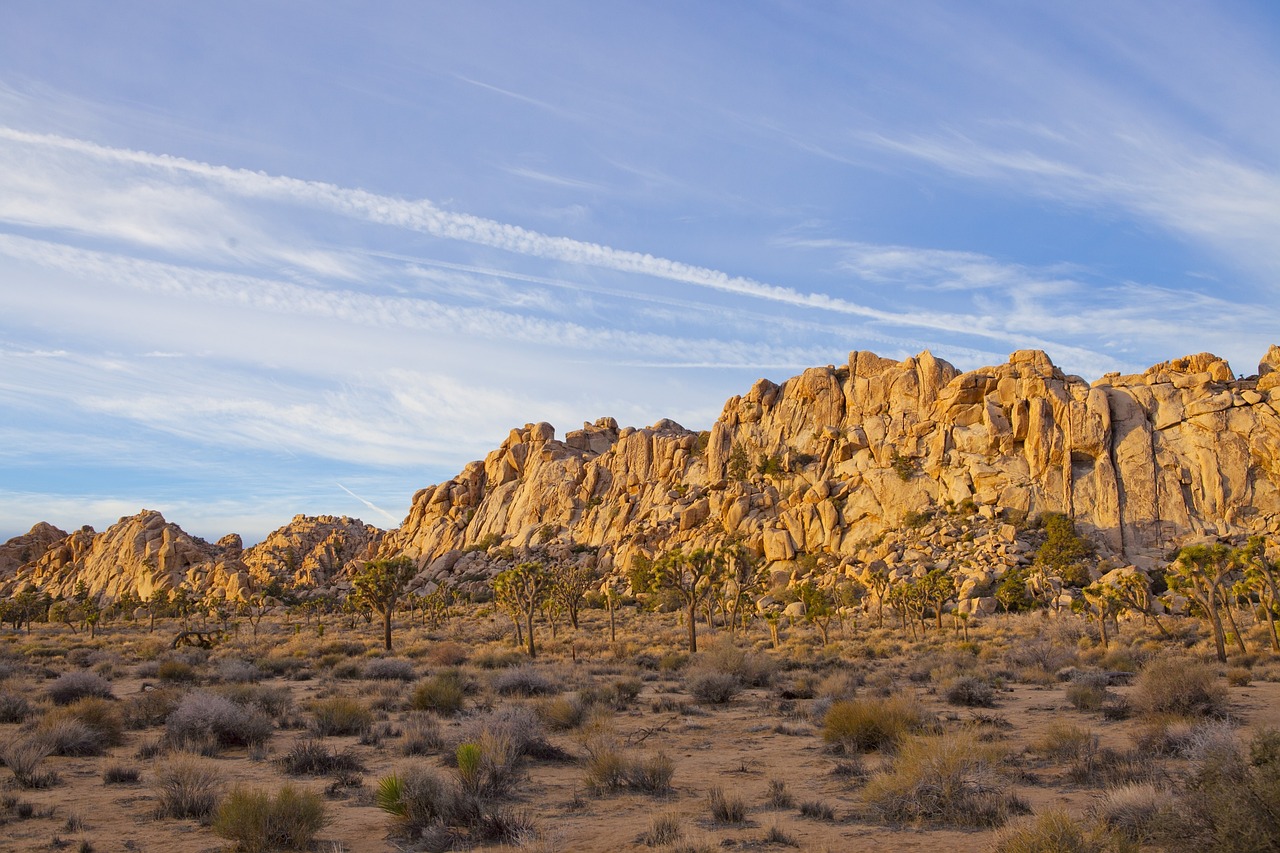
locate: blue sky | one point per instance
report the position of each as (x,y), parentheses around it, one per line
(267,258)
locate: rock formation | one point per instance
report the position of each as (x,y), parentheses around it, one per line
(836,456)
(908,466)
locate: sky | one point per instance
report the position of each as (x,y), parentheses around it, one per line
(267,258)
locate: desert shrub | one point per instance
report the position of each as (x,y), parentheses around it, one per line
(71,686)
(1051,831)
(817,810)
(1087,695)
(608,768)
(447,653)
(258,822)
(1178,686)
(187,786)
(778,797)
(499,659)
(120,774)
(421,734)
(489,766)
(24,757)
(651,775)
(1230,801)
(970,692)
(951,780)
(862,725)
(237,671)
(776,835)
(340,715)
(442,693)
(207,723)
(71,737)
(751,669)
(726,808)
(276,701)
(841,684)
(664,830)
(514,723)
(1065,741)
(713,688)
(523,681)
(312,758)
(1135,811)
(562,713)
(175,671)
(440,812)
(390,669)
(150,707)
(1239,676)
(103,717)
(14,707)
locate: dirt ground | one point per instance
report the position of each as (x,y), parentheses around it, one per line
(763,735)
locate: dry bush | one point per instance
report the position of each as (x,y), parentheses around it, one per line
(421,734)
(14,707)
(499,658)
(312,758)
(259,822)
(517,724)
(1135,811)
(70,737)
(713,688)
(120,774)
(969,692)
(1178,686)
(442,693)
(340,715)
(523,681)
(187,786)
(447,653)
(276,701)
(1087,695)
(237,671)
(608,768)
(751,669)
(441,813)
(950,780)
(778,797)
(176,671)
(71,686)
(817,810)
(24,757)
(101,716)
(150,707)
(1052,831)
(862,725)
(665,829)
(207,723)
(389,669)
(1239,676)
(726,808)
(563,713)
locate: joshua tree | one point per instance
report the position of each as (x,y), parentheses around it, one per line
(690,577)
(523,590)
(379,587)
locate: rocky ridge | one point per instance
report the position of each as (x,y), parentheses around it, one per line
(911,464)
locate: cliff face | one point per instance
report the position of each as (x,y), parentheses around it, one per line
(838,455)
(311,552)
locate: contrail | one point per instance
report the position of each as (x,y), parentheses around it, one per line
(371,506)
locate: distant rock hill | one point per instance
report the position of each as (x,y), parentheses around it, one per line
(830,463)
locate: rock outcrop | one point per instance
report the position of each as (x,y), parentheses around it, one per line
(837,456)
(312,551)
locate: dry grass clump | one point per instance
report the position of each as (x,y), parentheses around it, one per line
(102,717)
(69,737)
(187,786)
(950,780)
(1136,811)
(713,688)
(176,672)
(150,707)
(421,734)
(726,808)
(120,774)
(608,769)
(207,723)
(863,725)
(71,686)
(442,813)
(258,822)
(1052,831)
(1087,694)
(24,757)
(523,681)
(1178,686)
(969,692)
(562,713)
(312,758)
(236,671)
(340,715)
(389,669)
(665,829)
(443,693)
(14,707)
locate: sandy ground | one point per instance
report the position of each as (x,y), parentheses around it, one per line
(740,747)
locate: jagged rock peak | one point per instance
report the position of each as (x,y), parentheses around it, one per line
(311,551)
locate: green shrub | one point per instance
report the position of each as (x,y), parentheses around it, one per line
(862,725)
(340,715)
(258,822)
